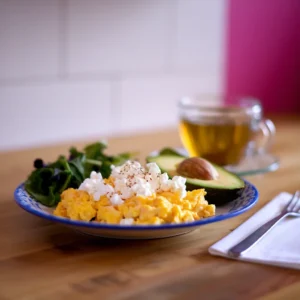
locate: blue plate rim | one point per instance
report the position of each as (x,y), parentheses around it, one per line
(65,221)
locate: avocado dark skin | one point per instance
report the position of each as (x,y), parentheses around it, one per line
(215,196)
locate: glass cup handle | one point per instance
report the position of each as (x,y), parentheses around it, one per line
(269,130)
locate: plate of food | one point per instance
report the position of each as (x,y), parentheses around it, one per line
(119,197)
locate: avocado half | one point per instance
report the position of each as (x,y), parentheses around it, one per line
(227,187)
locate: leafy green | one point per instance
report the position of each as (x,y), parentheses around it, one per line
(170,151)
(95,150)
(47,182)
(77,168)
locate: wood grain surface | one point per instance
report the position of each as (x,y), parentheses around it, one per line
(43,260)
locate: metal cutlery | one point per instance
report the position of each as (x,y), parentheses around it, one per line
(291,209)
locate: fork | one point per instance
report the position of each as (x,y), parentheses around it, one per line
(291,209)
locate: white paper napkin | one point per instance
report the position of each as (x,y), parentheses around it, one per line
(279,247)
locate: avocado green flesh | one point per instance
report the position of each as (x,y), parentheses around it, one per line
(225,188)
(226,180)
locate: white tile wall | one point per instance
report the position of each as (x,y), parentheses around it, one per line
(52,113)
(28,38)
(152,102)
(114,35)
(76,68)
(199,41)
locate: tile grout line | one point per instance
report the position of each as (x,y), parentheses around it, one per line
(84,77)
(62,39)
(224,46)
(171,37)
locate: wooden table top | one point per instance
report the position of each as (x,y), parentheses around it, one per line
(43,260)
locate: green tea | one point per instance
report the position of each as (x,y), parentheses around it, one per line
(222,142)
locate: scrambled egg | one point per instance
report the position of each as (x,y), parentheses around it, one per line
(76,205)
(160,208)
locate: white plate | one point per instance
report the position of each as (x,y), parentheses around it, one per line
(244,202)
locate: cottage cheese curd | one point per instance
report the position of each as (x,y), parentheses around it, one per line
(131,179)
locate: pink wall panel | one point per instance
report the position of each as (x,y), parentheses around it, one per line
(263,52)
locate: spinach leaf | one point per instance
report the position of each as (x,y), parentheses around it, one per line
(77,168)
(74,153)
(121,158)
(170,151)
(95,151)
(45,186)
(94,158)
(48,181)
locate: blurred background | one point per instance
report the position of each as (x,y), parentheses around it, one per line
(73,69)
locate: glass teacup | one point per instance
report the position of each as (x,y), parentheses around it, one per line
(224,133)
